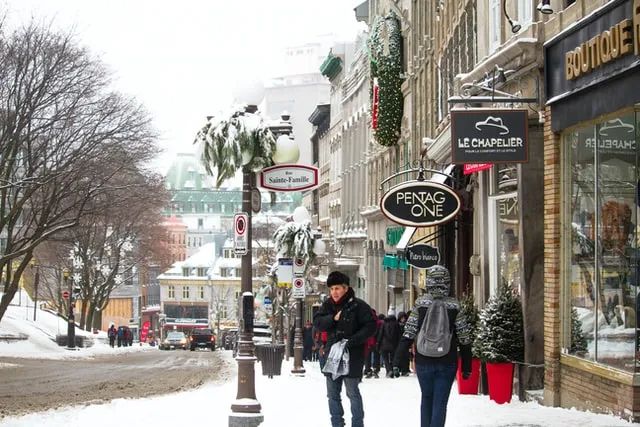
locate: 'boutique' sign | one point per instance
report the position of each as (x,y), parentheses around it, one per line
(420,204)
(489,136)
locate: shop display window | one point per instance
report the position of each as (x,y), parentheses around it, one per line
(504,227)
(601,220)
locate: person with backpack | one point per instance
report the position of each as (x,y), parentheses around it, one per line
(345,317)
(438,329)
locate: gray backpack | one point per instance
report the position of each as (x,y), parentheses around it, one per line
(434,337)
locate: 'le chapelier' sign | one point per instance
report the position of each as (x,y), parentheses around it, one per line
(489,136)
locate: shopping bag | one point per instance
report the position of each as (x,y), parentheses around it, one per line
(337,363)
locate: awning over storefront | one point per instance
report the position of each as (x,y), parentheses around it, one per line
(393,261)
(404,240)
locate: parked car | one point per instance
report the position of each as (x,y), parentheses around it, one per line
(174,339)
(202,338)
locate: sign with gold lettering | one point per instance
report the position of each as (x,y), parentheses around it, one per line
(601,46)
(420,204)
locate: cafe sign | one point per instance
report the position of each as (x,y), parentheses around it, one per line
(420,204)
(489,136)
(423,256)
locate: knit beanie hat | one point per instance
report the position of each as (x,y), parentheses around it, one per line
(337,278)
(438,281)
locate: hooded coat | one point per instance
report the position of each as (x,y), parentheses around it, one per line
(438,282)
(356,324)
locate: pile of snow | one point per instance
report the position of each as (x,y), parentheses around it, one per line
(40,335)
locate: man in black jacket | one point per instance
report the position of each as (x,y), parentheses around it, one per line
(436,374)
(343,316)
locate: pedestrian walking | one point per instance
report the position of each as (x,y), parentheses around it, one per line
(390,337)
(111,333)
(436,319)
(371,354)
(307,341)
(345,317)
(404,362)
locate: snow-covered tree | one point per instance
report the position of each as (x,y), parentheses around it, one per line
(469,310)
(233,140)
(501,331)
(578,340)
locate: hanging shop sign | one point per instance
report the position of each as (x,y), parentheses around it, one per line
(420,204)
(489,136)
(423,256)
(289,177)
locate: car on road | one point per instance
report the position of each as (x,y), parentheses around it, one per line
(202,338)
(174,339)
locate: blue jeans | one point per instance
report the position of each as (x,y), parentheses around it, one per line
(334,388)
(435,383)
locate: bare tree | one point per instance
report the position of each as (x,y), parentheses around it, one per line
(64,138)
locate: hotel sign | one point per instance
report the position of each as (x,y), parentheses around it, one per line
(489,136)
(420,204)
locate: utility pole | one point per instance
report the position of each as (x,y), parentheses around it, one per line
(71,320)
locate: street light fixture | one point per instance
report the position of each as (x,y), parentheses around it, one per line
(515,25)
(545,7)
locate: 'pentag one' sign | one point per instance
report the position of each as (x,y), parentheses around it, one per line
(489,136)
(420,204)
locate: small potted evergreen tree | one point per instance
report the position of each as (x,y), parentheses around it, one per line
(500,341)
(470,312)
(578,340)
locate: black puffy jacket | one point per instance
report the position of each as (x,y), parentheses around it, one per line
(356,324)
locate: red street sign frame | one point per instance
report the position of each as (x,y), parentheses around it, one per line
(240,239)
(289,177)
(65,294)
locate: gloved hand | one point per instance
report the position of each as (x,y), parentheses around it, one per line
(466,375)
(396,372)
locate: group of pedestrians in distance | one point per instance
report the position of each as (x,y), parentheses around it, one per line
(351,323)
(122,335)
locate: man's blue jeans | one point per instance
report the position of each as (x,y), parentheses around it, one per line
(435,383)
(334,388)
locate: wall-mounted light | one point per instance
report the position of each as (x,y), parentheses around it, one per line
(515,25)
(545,7)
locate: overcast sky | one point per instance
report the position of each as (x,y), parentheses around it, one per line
(182,59)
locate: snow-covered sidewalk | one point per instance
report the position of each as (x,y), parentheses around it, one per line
(294,401)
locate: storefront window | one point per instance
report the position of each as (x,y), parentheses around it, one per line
(504,227)
(602,266)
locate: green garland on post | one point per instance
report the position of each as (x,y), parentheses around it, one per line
(385,53)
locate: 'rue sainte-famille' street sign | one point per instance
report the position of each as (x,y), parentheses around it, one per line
(289,177)
(420,204)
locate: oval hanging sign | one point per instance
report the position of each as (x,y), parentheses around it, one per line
(423,256)
(420,204)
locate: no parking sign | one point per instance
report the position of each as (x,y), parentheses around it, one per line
(297,291)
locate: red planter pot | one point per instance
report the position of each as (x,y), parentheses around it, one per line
(470,385)
(500,380)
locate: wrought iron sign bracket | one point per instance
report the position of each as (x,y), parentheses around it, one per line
(418,168)
(486,92)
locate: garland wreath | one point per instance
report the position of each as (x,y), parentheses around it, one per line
(385,54)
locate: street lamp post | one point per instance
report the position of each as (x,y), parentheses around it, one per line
(36,280)
(71,322)
(246,409)
(298,368)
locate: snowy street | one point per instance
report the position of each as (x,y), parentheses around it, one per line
(289,400)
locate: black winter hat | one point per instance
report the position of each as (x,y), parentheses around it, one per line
(337,278)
